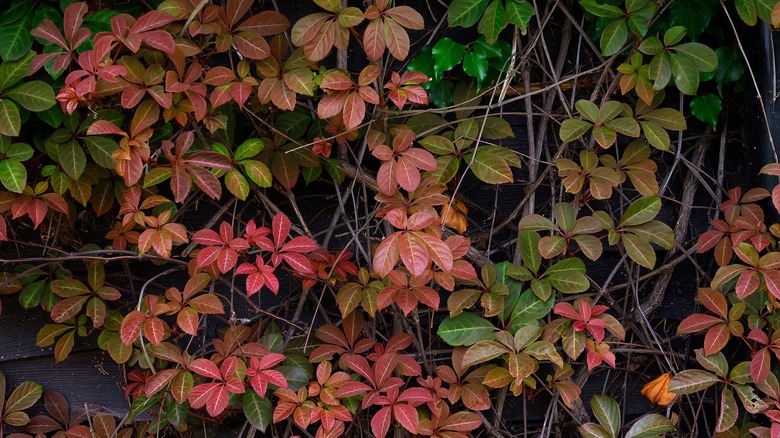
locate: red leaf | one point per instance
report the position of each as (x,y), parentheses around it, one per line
(205,368)
(160,40)
(151,20)
(280,228)
(200,394)
(380,424)
(187,320)
(48,31)
(374,40)
(696,323)
(159,381)
(760,365)
(101,127)
(407,417)
(397,39)
(413,253)
(772,280)
(131,327)
(154,330)
(354,111)
(207,304)
(265,23)
(300,244)
(714,301)
(252,45)
(716,338)
(72,20)
(68,308)
(386,255)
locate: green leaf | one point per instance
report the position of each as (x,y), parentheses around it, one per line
(258,410)
(686,74)
(72,158)
(176,413)
(251,147)
(12,72)
(424,63)
(30,296)
(465,13)
(440,93)
(593,430)
(747,11)
(447,54)
(656,135)
(528,310)
(293,124)
(24,396)
(20,152)
(613,37)
(10,121)
(607,412)
(296,376)
(729,411)
(704,57)
(640,211)
(465,329)
(490,167)
(668,118)
(493,22)
(599,10)
(639,250)
(13,175)
(651,425)
(655,232)
(707,108)
(140,405)
(482,352)
(258,172)
(236,183)
(674,35)
(651,46)
(475,65)
(520,14)
(33,95)
(660,71)
(528,246)
(572,129)
(730,65)
(100,149)
(16,39)
(568,276)
(690,381)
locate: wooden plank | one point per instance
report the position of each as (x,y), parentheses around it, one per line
(85,377)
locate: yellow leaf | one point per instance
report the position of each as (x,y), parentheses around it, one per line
(657,391)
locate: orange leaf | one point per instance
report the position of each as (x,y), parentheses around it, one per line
(455,218)
(657,391)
